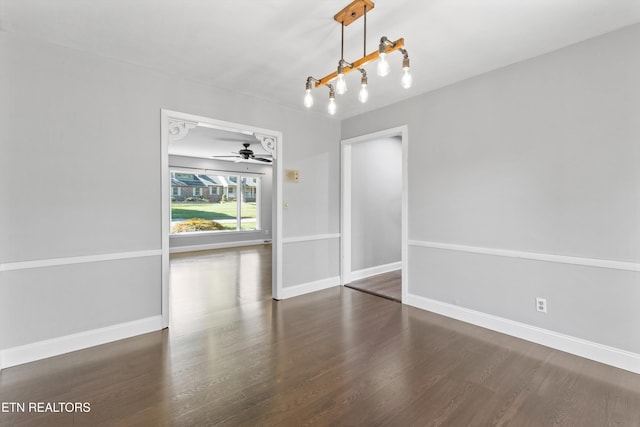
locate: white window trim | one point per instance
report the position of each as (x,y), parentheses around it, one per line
(238,193)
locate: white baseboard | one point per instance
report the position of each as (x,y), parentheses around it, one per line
(305,288)
(372,271)
(68,343)
(223,245)
(590,350)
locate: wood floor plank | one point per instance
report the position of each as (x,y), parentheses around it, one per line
(233,356)
(385,285)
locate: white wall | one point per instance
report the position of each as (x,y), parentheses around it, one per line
(76,127)
(191,241)
(376,197)
(311,241)
(541,157)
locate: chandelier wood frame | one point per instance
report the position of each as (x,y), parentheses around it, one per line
(351,13)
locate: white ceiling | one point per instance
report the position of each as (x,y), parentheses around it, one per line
(207,142)
(267,48)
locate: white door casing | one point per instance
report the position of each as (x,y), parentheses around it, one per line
(345,209)
(174,126)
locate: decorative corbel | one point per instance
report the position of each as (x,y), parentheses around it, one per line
(178,129)
(268,143)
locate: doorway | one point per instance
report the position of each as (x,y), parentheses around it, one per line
(174,127)
(374,198)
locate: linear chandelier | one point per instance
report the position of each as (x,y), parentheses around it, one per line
(355,10)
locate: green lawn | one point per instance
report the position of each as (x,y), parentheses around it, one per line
(211,210)
(216,211)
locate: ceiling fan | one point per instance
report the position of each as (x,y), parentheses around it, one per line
(247,154)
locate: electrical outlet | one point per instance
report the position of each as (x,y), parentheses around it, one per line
(541,305)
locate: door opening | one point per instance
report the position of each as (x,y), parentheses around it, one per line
(220,188)
(374,213)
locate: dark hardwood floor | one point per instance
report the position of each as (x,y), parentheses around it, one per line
(337,357)
(385,285)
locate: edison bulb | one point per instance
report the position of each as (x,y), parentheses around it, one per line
(363,95)
(406,79)
(332,106)
(308,99)
(341,85)
(383,65)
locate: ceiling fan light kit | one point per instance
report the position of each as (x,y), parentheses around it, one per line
(354,11)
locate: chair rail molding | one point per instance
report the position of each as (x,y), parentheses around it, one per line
(562,259)
(42,263)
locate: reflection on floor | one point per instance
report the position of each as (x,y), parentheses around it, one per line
(208,281)
(386,285)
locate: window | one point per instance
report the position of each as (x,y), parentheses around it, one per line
(249,217)
(232,203)
(175,191)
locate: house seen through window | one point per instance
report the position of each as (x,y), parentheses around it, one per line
(214,203)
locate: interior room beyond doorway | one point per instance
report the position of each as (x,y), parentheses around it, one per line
(373,192)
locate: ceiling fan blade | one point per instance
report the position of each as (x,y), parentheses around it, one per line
(247,154)
(237,141)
